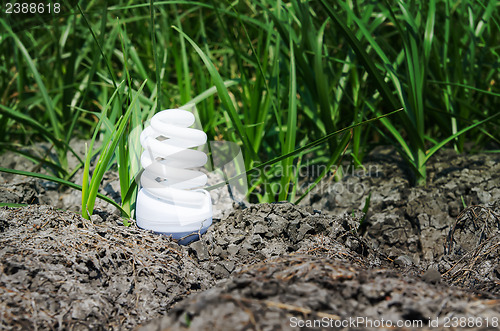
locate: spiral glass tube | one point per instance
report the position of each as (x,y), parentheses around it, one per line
(171,200)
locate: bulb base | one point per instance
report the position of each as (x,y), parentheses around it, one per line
(183,223)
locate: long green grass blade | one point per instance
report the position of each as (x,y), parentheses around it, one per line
(58,181)
(27,120)
(363,56)
(291,135)
(13,205)
(223,95)
(50,108)
(106,60)
(303,148)
(107,153)
(336,157)
(88,151)
(210,92)
(155,52)
(435,148)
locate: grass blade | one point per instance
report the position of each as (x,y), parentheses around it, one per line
(223,95)
(302,149)
(291,135)
(58,181)
(88,155)
(41,85)
(104,159)
(435,148)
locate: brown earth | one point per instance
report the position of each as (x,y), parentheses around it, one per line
(419,258)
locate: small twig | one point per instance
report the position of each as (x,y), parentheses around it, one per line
(279,305)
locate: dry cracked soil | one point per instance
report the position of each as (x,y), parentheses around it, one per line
(422,258)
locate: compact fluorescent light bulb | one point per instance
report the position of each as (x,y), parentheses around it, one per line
(171,200)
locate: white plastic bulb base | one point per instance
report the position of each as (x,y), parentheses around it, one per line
(183,223)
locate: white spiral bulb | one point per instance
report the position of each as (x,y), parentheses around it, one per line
(171,200)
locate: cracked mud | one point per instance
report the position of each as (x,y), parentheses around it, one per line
(419,255)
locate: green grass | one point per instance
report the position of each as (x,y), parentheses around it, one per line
(272,76)
(404,75)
